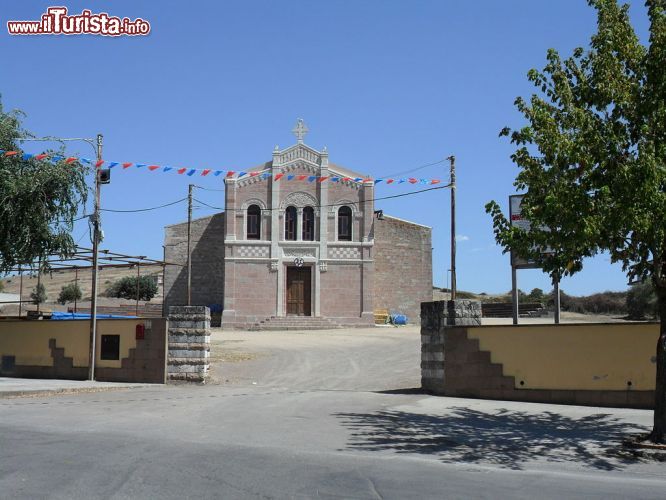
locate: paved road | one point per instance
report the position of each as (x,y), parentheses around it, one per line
(317,415)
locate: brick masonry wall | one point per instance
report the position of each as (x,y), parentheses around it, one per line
(207,262)
(403,267)
(341,291)
(452,364)
(254,294)
(189,344)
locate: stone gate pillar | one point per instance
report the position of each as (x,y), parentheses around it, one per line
(189,343)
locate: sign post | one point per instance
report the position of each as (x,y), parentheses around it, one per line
(517,220)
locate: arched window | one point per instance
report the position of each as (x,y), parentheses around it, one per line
(290,223)
(308,224)
(344,224)
(253,222)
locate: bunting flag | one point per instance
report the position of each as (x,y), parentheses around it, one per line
(203,172)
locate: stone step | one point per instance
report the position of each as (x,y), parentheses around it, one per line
(294,323)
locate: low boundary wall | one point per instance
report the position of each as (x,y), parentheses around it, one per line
(134,351)
(585,364)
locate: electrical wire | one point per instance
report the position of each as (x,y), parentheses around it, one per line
(415,169)
(338,204)
(143,209)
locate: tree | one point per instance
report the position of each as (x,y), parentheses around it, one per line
(39,199)
(593,161)
(38,294)
(125,288)
(641,301)
(69,293)
(536,295)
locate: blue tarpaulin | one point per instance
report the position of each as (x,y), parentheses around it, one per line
(58,315)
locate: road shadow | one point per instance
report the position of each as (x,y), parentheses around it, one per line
(505,438)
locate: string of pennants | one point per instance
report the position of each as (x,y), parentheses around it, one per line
(203,172)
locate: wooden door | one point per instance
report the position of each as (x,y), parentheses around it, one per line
(298,291)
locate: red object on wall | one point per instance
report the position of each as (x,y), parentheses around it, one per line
(140,332)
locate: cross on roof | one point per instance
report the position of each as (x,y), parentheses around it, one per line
(300,130)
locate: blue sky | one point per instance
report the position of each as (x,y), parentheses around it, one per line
(385,85)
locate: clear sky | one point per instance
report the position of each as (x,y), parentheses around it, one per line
(386,85)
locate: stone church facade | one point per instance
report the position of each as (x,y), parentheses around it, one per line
(289,245)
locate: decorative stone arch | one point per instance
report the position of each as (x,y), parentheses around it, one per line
(333,214)
(299,200)
(262,222)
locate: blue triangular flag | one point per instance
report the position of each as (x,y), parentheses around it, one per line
(265,175)
(86,160)
(166,169)
(112,164)
(358,179)
(57,158)
(191,172)
(377,181)
(290,177)
(311,178)
(27,156)
(241,174)
(139,165)
(218,172)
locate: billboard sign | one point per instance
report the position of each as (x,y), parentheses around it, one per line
(517,220)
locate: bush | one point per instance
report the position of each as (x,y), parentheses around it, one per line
(38,295)
(2,284)
(597,303)
(69,293)
(125,288)
(641,301)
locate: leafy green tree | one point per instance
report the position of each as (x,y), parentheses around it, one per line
(126,288)
(38,294)
(39,200)
(2,285)
(69,293)
(536,295)
(593,161)
(641,301)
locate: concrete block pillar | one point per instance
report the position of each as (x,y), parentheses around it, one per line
(188,358)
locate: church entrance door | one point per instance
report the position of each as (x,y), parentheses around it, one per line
(299,291)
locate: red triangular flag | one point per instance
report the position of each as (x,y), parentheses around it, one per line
(153,167)
(127,165)
(70,160)
(41,157)
(390,181)
(412,180)
(301,177)
(254,174)
(230,173)
(11,153)
(278,176)
(181,170)
(99,163)
(435,181)
(205,172)
(323,178)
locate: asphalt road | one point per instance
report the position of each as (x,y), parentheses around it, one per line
(316,415)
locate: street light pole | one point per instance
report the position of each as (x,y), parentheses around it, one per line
(189,243)
(97,146)
(452,159)
(95,251)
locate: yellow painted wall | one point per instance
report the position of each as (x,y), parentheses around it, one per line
(29,340)
(570,357)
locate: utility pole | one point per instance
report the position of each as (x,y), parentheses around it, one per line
(95,251)
(452,159)
(189,242)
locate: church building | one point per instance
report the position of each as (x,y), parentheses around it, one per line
(299,239)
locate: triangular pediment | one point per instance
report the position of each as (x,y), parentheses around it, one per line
(298,152)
